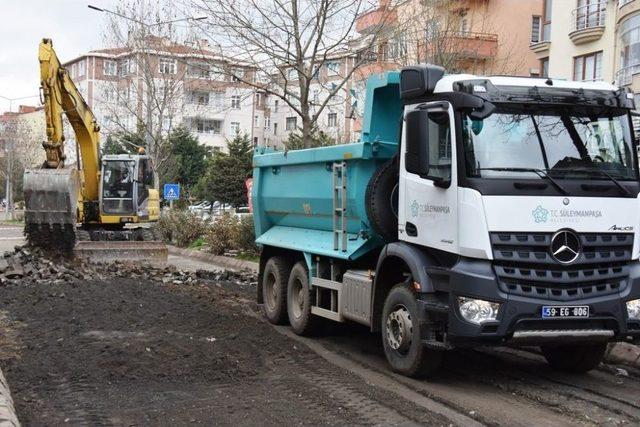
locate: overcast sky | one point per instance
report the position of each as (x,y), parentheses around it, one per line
(74,28)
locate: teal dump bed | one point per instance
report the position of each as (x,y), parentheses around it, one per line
(293,192)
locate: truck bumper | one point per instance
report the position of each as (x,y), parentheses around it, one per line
(519,319)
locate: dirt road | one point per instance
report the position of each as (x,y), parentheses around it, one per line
(129,352)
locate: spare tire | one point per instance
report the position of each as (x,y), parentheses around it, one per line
(381,200)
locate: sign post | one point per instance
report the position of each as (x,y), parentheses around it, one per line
(171,192)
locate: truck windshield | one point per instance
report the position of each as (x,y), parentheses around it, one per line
(514,143)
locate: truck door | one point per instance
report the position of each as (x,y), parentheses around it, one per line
(428,211)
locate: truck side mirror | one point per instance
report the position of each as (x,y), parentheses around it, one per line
(417,142)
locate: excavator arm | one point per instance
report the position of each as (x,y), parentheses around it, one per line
(61,96)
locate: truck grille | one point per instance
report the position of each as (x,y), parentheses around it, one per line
(525,267)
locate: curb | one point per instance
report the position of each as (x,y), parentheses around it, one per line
(8,417)
(624,353)
(222,261)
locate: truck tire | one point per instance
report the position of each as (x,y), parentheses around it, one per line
(401,334)
(575,358)
(381,200)
(299,301)
(274,289)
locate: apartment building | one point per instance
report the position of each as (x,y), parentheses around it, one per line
(338,117)
(576,39)
(474,36)
(173,84)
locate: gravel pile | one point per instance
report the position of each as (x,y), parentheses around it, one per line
(29,265)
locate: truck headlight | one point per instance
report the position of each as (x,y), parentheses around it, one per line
(477,310)
(633,309)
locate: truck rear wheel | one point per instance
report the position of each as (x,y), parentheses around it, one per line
(299,301)
(274,289)
(576,358)
(401,332)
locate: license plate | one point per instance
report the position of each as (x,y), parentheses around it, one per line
(553,311)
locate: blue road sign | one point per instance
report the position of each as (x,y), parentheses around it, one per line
(171,191)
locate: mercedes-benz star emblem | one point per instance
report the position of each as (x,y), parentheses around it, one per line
(565,246)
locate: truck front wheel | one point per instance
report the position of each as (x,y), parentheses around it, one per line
(299,301)
(576,358)
(401,332)
(274,289)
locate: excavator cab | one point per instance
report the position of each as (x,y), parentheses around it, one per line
(126,184)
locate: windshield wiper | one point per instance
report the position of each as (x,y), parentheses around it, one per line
(540,172)
(607,174)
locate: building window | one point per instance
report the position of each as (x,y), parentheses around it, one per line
(81,68)
(332,120)
(333,68)
(292,123)
(629,42)
(464,23)
(167,66)
(237,74)
(275,106)
(275,128)
(216,99)
(535,28)
(127,67)
(546,25)
(544,67)
(588,67)
(589,14)
(198,70)
(234,128)
(199,97)
(258,99)
(235,102)
(256,121)
(110,68)
(267,122)
(255,141)
(208,126)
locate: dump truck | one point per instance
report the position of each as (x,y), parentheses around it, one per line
(473,211)
(103,206)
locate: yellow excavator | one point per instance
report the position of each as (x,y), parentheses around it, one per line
(101,208)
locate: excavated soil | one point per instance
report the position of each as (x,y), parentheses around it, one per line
(146,348)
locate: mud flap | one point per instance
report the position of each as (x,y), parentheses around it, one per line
(109,251)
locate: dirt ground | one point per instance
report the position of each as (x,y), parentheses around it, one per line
(170,347)
(128,352)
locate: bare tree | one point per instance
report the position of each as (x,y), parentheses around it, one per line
(296,47)
(144,92)
(21,137)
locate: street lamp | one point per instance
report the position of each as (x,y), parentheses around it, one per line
(16,99)
(147,26)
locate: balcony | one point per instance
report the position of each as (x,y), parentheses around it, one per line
(374,67)
(372,21)
(624,76)
(473,45)
(587,23)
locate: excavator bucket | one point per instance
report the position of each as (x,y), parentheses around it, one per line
(51,197)
(109,251)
